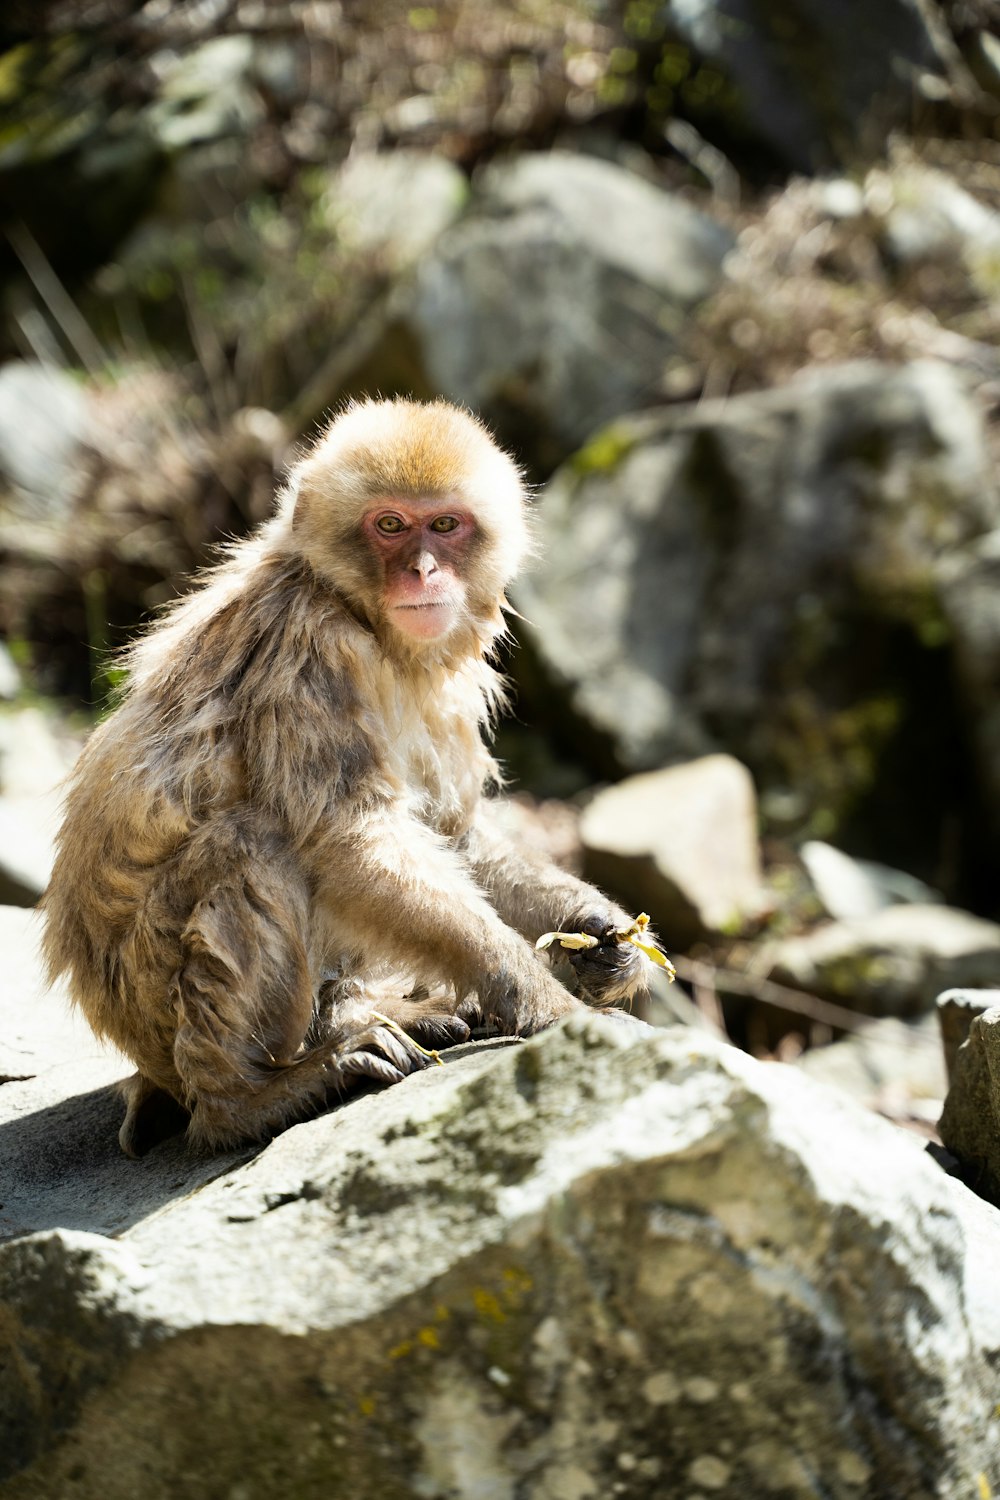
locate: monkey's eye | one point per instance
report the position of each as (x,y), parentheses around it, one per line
(390,525)
(444,523)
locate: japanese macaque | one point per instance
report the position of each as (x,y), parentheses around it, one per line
(277,871)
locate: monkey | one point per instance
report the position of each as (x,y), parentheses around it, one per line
(278,873)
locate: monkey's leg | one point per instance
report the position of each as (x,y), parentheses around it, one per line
(243,997)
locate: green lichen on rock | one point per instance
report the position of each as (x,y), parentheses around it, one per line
(605,451)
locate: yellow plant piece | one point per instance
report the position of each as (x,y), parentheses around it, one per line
(634,933)
(567,940)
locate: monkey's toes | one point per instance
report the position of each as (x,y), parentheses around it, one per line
(383,1053)
(437,1030)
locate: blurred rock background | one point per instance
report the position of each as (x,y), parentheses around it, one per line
(725,275)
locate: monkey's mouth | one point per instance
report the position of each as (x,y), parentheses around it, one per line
(425,619)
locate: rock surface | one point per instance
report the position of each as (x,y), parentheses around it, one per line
(548,314)
(894,963)
(681,842)
(956,1011)
(394,207)
(60,1112)
(765,575)
(970,1122)
(894,1067)
(609,1261)
(44,421)
(813,84)
(36,753)
(849,888)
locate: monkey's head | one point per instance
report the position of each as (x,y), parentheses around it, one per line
(417,518)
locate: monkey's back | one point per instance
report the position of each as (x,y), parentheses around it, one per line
(208,684)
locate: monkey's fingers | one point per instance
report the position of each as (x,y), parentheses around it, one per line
(608,974)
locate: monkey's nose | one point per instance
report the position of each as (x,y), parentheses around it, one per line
(425,565)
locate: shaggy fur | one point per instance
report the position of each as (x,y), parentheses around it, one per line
(278,837)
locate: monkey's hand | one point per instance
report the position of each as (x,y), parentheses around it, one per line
(614,969)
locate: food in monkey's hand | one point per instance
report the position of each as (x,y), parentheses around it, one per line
(635,933)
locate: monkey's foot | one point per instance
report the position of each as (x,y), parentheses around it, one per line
(385,1052)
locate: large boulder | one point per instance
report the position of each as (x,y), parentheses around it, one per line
(970,1121)
(680,843)
(609,1261)
(37,752)
(848,888)
(895,1067)
(806,84)
(971,603)
(45,421)
(764,575)
(892,963)
(555,305)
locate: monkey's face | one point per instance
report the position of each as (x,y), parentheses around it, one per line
(422,549)
(417,519)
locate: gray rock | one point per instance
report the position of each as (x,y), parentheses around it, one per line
(731,575)
(956,1011)
(970,597)
(813,84)
(10,678)
(850,887)
(681,844)
(395,206)
(970,1121)
(926,216)
(895,1067)
(894,963)
(609,1261)
(36,753)
(205,92)
(60,1111)
(44,418)
(556,303)
(28,826)
(652,237)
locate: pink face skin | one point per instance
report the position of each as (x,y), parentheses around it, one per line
(420,545)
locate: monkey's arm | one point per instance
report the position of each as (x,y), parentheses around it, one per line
(398,891)
(534,896)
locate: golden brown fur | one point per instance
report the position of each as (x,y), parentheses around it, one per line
(280,829)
